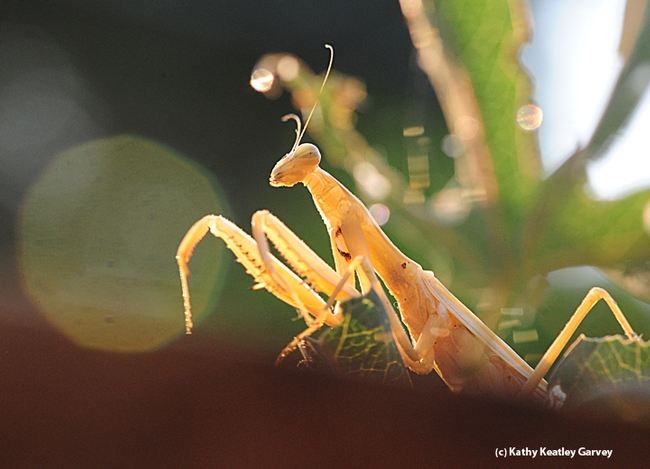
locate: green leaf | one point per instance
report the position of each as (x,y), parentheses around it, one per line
(486,37)
(361,347)
(596,368)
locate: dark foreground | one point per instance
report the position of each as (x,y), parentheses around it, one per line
(63,406)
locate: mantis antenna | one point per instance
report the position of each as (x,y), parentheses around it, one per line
(300,130)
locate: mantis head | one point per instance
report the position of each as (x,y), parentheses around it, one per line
(295,166)
(303,158)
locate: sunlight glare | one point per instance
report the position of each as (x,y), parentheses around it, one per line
(98,234)
(529,117)
(380,213)
(262,80)
(371,181)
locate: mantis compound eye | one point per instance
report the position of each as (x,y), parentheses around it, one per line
(307,151)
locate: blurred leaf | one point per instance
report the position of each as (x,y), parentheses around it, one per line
(567,228)
(577,230)
(481,42)
(634,11)
(633,277)
(593,368)
(362,346)
(629,90)
(486,37)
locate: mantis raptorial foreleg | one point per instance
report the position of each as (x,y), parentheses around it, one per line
(299,256)
(282,282)
(548,359)
(276,278)
(319,274)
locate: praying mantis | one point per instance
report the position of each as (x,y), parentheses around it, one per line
(443,334)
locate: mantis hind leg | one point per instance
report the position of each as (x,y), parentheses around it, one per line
(595,294)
